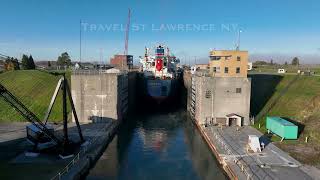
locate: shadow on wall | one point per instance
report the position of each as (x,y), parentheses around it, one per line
(300,125)
(262,88)
(98,119)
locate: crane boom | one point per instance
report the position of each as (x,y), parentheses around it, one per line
(127,33)
(26,113)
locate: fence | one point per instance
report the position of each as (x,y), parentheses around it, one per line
(81,154)
(247,171)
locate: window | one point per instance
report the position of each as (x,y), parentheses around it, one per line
(238,90)
(238,70)
(216,69)
(208,94)
(238,58)
(226,70)
(153,64)
(215,58)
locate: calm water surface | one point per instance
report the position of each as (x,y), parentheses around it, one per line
(157,146)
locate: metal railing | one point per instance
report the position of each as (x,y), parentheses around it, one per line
(81,154)
(96,72)
(245,169)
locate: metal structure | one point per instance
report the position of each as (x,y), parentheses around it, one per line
(34,120)
(127,33)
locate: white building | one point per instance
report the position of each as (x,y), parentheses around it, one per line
(281,71)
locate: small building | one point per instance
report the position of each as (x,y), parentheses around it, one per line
(282,127)
(234,120)
(281,71)
(122,61)
(202,66)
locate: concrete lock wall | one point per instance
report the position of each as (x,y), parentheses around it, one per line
(216,97)
(99,96)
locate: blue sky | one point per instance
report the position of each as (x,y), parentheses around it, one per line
(45,29)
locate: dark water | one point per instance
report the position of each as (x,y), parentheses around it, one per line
(157,146)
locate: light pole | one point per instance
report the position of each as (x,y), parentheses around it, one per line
(238,43)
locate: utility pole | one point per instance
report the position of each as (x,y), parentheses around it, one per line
(238,43)
(80,40)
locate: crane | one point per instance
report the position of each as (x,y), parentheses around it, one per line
(127,33)
(40,131)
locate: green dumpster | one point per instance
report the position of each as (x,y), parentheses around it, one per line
(282,127)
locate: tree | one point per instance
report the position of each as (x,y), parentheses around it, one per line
(11,64)
(295,61)
(24,61)
(31,64)
(27,62)
(64,60)
(271,61)
(260,63)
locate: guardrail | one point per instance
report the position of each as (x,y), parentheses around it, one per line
(92,143)
(250,174)
(96,72)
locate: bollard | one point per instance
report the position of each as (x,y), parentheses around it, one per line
(259,125)
(306,140)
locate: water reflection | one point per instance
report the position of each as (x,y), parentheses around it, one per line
(157,146)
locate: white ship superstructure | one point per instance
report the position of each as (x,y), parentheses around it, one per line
(161,65)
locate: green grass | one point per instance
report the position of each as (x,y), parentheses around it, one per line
(289,68)
(301,103)
(34,89)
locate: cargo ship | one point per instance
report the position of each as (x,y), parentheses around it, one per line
(160,74)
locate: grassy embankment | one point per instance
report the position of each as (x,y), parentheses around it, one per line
(34,89)
(289,68)
(300,103)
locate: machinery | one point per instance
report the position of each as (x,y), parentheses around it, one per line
(40,134)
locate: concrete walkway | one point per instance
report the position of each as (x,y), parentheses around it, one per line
(13,145)
(271,163)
